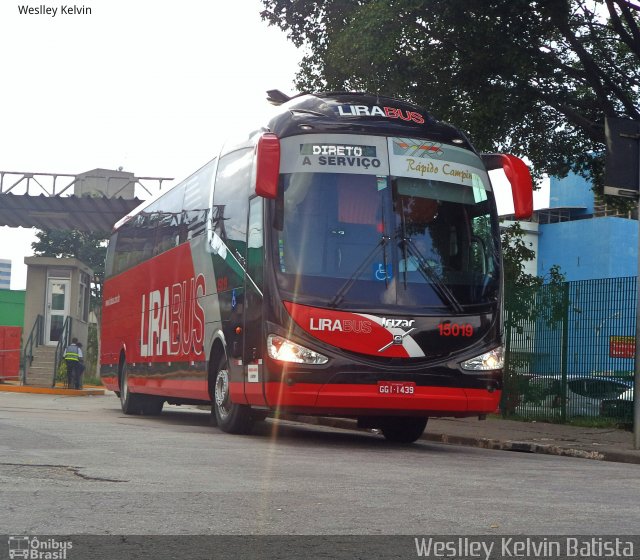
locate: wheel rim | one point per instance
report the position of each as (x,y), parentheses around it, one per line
(222,394)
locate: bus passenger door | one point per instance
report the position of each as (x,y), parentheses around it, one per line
(253,323)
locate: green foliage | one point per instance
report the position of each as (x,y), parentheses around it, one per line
(91,354)
(524,300)
(61,372)
(520,287)
(529,78)
(527,299)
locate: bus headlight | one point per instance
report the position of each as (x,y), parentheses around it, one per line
(284,350)
(494,359)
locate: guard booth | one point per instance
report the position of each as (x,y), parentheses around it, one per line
(57,308)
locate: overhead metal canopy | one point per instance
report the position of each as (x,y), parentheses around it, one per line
(101,205)
(68,212)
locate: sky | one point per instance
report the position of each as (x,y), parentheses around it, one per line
(153,86)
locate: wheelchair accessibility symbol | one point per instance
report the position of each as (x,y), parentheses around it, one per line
(379,272)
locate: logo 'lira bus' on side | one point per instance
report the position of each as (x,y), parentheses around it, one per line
(173,319)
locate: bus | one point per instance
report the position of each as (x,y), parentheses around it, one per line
(342,260)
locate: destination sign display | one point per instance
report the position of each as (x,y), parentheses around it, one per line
(335,153)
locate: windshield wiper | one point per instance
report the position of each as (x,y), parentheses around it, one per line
(430,275)
(339,297)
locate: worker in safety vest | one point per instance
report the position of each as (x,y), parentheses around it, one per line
(72,359)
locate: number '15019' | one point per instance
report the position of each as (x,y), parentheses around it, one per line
(453,329)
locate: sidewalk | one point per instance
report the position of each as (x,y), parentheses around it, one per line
(603,444)
(59,389)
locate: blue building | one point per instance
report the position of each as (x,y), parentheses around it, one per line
(596,248)
(585,238)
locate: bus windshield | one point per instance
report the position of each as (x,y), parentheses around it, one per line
(369,241)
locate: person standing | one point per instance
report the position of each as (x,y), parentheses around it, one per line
(72,358)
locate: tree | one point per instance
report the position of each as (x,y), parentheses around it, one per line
(529,77)
(521,288)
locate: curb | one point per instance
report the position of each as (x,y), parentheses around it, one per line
(51,390)
(493,444)
(516,446)
(529,447)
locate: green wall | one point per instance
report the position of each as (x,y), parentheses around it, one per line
(12,308)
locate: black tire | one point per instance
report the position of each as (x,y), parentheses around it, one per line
(401,429)
(152,406)
(130,403)
(230,417)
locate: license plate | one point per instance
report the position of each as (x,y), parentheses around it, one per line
(396,388)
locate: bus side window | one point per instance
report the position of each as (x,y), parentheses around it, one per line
(166,212)
(125,256)
(109,265)
(196,203)
(231,196)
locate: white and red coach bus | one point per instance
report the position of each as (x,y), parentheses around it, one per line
(343,260)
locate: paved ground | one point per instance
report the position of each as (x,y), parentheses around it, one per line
(79,466)
(604,444)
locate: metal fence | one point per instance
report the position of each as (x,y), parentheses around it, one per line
(576,357)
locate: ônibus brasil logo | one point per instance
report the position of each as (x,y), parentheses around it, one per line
(38,549)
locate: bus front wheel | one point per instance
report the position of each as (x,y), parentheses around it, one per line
(401,429)
(231,417)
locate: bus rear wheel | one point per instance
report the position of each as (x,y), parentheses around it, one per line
(130,403)
(402,429)
(230,417)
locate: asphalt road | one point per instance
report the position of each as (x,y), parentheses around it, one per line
(72,465)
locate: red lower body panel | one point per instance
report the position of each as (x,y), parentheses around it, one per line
(335,399)
(192,389)
(352,400)
(111,383)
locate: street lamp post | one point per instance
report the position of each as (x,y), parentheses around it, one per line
(622,178)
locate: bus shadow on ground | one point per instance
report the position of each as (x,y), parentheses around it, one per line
(292,432)
(296,433)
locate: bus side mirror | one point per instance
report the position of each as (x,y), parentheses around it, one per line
(268,166)
(519,177)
